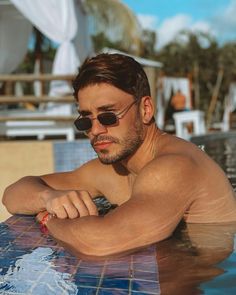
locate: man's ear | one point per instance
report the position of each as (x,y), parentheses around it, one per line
(147,109)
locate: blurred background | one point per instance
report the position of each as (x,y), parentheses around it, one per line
(186,47)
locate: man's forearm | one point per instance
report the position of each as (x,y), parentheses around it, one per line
(24,196)
(96,236)
(80,236)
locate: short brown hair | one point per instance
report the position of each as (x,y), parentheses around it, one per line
(119,70)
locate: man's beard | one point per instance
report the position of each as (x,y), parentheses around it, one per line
(129,144)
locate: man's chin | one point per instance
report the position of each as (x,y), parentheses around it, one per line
(106,160)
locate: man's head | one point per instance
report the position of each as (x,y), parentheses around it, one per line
(114,100)
(118,70)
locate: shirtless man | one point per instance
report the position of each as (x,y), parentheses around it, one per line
(155,178)
(178,101)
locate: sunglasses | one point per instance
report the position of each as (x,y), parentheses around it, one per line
(106,119)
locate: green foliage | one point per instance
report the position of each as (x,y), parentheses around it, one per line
(100,41)
(200,51)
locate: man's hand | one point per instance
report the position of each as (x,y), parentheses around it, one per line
(69,203)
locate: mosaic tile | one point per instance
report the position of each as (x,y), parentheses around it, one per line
(115,283)
(32,263)
(70,155)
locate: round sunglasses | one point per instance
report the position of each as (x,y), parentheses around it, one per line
(106,119)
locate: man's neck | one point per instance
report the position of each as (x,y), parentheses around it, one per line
(146,152)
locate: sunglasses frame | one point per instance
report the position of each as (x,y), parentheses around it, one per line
(117,116)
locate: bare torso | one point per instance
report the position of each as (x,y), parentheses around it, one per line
(212,199)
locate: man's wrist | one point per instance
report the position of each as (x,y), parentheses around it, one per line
(43,222)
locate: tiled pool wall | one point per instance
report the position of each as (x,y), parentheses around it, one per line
(32,263)
(70,155)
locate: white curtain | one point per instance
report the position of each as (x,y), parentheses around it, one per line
(171,84)
(229,107)
(166,87)
(232,96)
(55,19)
(14,36)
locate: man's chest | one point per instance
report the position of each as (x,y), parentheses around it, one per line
(117,191)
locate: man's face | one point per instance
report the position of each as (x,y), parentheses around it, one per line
(115,142)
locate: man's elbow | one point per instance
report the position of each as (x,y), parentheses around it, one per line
(5,197)
(6,201)
(90,246)
(90,251)
(103,248)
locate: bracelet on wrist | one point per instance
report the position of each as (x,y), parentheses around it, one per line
(43,222)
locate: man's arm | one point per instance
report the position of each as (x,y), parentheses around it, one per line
(65,194)
(161,194)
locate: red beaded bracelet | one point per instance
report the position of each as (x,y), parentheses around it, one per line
(43,222)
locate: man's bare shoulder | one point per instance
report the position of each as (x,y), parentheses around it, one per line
(166,174)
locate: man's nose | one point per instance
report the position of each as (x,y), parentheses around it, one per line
(97,127)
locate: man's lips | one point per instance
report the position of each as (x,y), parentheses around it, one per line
(102,144)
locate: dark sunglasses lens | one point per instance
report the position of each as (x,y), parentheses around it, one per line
(83,124)
(107,118)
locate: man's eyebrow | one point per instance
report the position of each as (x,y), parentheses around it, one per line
(100,109)
(106,107)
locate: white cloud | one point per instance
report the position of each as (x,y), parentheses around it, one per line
(201,26)
(222,26)
(225,22)
(148,21)
(170,27)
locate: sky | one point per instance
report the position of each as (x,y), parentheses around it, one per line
(168,17)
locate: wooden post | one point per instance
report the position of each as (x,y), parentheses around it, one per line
(214,97)
(151,73)
(196,85)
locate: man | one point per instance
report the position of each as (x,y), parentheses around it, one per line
(155,178)
(178,101)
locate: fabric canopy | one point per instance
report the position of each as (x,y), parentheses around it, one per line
(14,34)
(232,97)
(56,20)
(168,86)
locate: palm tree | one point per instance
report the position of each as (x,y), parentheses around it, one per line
(114,21)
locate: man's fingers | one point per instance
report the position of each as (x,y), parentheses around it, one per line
(77,200)
(71,210)
(91,206)
(71,204)
(60,212)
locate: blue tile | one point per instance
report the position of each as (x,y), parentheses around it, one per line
(70,155)
(15,286)
(112,292)
(115,283)
(90,281)
(148,293)
(144,286)
(39,263)
(6,262)
(86,291)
